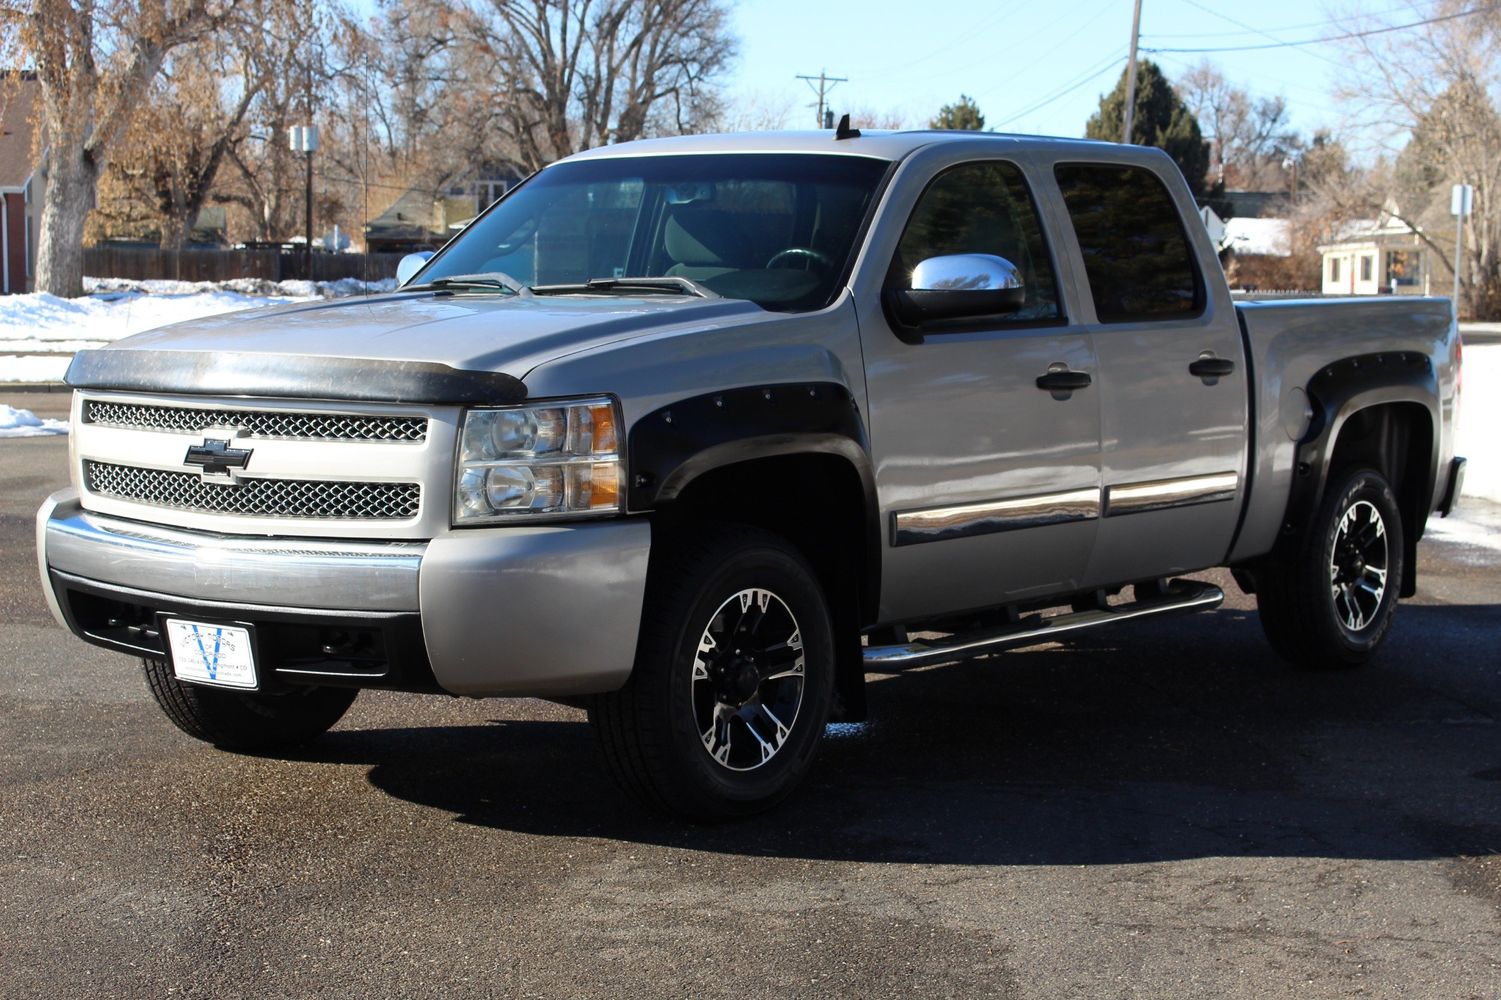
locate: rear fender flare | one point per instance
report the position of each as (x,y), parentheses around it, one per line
(1338,393)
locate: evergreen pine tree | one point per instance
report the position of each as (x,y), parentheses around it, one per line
(1162,120)
(963,115)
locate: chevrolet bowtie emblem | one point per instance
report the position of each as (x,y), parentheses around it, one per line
(216,457)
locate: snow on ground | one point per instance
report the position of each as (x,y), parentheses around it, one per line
(1475,526)
(40,332)
(24,423)
(1479,438)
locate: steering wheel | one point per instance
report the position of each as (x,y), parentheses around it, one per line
(808,254)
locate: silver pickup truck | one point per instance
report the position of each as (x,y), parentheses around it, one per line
(694,432)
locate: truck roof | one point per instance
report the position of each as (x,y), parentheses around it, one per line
(882,144)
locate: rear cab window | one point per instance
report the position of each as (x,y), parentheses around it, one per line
(1137,256)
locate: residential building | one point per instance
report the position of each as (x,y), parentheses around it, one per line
(1381,257)
(423,219)
(21,181)
(1256,250)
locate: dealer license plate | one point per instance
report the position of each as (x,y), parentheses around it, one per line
(211,654)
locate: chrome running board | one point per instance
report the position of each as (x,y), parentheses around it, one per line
(1181,596)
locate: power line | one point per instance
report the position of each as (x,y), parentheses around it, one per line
(1116,58)
(1337,38)
(1326,23)
(906,65)
(1256,31)
(1084,23)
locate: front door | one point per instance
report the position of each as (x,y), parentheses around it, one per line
(989,486)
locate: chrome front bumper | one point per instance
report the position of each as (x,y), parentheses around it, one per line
(544,611)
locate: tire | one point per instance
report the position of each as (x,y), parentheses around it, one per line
(724,709)
(248,721)
(1330,604)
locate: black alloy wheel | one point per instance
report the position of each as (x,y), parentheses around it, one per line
(1328,602)
(727,702)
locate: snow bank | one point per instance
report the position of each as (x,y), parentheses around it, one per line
(1479,438)
(24,423)
(38,368)
(245,286)
(40,332)
(95,319)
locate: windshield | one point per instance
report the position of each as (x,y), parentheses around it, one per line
(776,229)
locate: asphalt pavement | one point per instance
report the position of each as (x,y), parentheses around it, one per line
(1161,811)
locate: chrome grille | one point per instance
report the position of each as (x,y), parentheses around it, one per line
(255,497)
(260,423)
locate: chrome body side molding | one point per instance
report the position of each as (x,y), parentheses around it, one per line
(963,520)
(1136,498)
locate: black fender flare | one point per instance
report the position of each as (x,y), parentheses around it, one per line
(674,445)
(671,447)
(1337,393)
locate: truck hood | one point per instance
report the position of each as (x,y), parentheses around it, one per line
(413,346)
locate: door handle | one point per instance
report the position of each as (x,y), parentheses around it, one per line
(1211,367)
(1064,381)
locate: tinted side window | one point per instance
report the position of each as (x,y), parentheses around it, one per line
(1136,253)
(981,208)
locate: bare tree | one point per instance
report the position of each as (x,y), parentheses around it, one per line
(1434,89)
(865,116)
(573,74)
(291,51)
(95,62)
(1250,137)
(194,117)
(756,111)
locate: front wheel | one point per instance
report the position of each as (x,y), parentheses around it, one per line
(1330,604)
(250,721)
(734,672)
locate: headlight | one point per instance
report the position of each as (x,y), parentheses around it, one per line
(560,458)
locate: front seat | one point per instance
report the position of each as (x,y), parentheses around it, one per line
(704,243)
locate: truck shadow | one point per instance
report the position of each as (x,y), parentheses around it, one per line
(1181,740)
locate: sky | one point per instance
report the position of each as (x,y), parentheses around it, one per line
(1033,67)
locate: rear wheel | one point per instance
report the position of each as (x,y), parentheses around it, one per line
(1330,604)
(252,721)
(734,672)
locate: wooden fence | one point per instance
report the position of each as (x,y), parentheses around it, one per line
(145,263)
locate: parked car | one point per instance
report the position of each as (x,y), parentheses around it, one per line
(693,432)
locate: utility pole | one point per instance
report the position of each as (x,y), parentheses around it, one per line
(825,84)
(1130,115)
(1461,203)
(305,140)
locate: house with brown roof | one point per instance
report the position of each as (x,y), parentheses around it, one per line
(21,181)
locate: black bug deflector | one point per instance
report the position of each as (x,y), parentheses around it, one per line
(291,376)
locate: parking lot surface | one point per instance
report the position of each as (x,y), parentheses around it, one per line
(1160,811)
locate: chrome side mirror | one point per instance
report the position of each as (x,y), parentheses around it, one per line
(959,286)
(407,269)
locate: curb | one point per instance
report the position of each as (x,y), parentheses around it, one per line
(6,387)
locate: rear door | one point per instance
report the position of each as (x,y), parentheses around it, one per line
(1172,377)
(988,485)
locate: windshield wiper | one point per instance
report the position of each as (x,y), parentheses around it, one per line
(491,279)
(667,285)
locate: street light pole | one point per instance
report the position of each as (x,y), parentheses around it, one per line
(1460,204)
(304,139)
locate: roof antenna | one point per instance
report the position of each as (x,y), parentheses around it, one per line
(844,131)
